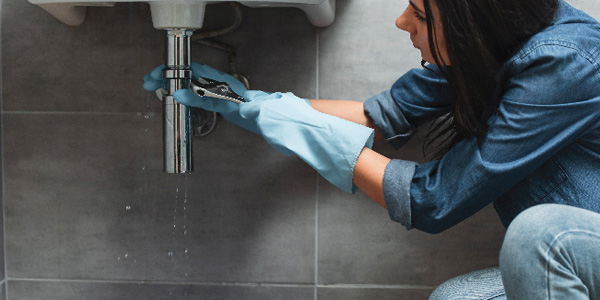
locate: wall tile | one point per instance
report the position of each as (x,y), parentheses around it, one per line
(22,290)
(372,293)
(97,66)
(358,244)
(86,198)
(363,52)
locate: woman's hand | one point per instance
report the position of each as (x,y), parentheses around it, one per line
(228,109)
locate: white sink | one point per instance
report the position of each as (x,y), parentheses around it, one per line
(168,14)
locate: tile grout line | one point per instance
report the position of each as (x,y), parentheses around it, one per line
(2,185)
(47,112)
(317,96)
(164,282)
(230,284)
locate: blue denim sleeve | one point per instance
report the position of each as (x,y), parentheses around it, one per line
(551,99)
(419,96)
(396,192)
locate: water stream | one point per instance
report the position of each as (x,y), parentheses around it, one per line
(180,225)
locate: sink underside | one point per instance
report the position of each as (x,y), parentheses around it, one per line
(168,14)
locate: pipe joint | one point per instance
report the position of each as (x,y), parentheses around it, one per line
(177,74)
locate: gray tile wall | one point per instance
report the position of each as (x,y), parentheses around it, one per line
(90,215)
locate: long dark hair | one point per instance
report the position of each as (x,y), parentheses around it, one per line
(480,36)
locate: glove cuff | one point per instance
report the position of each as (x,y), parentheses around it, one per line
(349,143)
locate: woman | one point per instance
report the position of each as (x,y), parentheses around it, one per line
(515,89)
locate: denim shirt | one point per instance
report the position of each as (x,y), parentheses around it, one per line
(542,145)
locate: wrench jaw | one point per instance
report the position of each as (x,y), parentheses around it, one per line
(205,87)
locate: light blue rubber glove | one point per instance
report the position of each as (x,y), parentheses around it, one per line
(328,144)
(228,109)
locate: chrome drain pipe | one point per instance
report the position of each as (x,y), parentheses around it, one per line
(177,118)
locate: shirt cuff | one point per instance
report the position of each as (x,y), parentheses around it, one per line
(396,190)
(389,119)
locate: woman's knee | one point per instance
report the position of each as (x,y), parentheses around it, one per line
(545,235)
(539,225)
(534,231)
(528,233)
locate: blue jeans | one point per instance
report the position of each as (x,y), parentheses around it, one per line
(550,251)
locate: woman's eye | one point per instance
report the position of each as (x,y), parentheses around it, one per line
(419,17)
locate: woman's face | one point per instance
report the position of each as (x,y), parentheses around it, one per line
(414,21)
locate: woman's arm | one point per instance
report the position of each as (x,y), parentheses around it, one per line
(368,174)
(370,166)
(419,96)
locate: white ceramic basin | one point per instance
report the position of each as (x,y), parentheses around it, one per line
(168,14)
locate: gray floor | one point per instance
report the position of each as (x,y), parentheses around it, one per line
(90,215)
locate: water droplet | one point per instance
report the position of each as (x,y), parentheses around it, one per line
(126,255)
(128,207)
(170,254)
(146,116)
(186,250)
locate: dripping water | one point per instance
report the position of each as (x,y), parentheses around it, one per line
(179,228)
(132,204)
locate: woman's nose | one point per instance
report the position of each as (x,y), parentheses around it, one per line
(403,22)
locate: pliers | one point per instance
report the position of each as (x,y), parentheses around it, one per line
(214,89)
